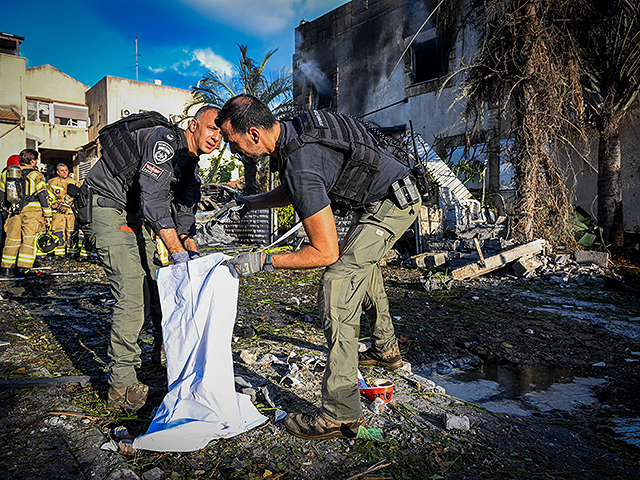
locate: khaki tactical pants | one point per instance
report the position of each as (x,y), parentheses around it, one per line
(351,284)
(127,254)
(62,226)
(21,231)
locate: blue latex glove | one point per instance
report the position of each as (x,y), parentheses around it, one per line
(180,257)
(193,254)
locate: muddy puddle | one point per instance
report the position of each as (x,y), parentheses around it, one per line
(516,389)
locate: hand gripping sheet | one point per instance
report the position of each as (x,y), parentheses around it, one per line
(198,308)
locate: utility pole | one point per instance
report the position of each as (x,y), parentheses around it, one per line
(136,59)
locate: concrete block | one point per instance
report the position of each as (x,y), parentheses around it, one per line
(526,265)
(429,259)
(455,422)
(587,257)
(497,261)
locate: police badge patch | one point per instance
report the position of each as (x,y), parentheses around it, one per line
(162,152)
(151,170)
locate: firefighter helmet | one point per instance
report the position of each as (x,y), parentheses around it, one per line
(48,242)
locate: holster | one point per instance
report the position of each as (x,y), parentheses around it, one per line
(82,204)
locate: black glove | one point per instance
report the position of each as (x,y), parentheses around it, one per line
(193,254)
(246,263)
(237,208)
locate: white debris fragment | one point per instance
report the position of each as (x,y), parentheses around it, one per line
(455,422)
(110,446)
(406,367)
(248,357)
(280,414)
(19,335)
(294,377)
(377,406)
(295,301)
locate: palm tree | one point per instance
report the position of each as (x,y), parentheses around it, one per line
(276,91)
(610,65)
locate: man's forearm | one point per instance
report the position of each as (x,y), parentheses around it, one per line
(271,199)
(171,240)
(189,243)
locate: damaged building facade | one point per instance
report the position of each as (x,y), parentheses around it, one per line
(41,108)
(47,110)
(382,61)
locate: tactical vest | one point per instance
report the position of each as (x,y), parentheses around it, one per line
(119,149)
(346,135)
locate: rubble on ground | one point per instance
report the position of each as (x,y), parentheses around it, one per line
(482,248)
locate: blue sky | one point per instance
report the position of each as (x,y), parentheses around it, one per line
(178,40)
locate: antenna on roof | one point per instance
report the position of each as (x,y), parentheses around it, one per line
(137,58)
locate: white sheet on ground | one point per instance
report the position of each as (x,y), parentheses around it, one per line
(199,308)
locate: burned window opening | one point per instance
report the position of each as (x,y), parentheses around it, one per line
(320,99)
(429,60)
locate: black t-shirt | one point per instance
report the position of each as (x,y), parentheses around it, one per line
(312,170)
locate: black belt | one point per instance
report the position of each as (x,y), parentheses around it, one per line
(108,202)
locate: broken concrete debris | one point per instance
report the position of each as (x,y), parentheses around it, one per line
(503,258)
(377,406)
(479,249)
(590,257)
(456,422)
(526,265)
(430,259)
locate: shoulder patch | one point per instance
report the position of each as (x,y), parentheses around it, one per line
(162,152)
(150,170)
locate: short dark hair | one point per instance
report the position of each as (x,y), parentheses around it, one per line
(205,108)
(245,111)
(27,155)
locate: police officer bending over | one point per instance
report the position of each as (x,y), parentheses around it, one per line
(146,174)
(328,163)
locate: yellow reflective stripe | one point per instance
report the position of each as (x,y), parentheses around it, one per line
(7,258)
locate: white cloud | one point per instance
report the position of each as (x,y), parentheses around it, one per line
(157,70)
(213,61)
(261,18)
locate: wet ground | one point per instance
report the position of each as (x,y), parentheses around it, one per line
(547,376)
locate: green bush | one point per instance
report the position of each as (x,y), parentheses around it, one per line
(285,218)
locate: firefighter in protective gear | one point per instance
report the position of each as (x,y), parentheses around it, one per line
(26,216)
(64,220)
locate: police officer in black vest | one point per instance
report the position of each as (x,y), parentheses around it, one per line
(148,177)
(328,163)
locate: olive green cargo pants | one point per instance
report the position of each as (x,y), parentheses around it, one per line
(127,254)
(347,287)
